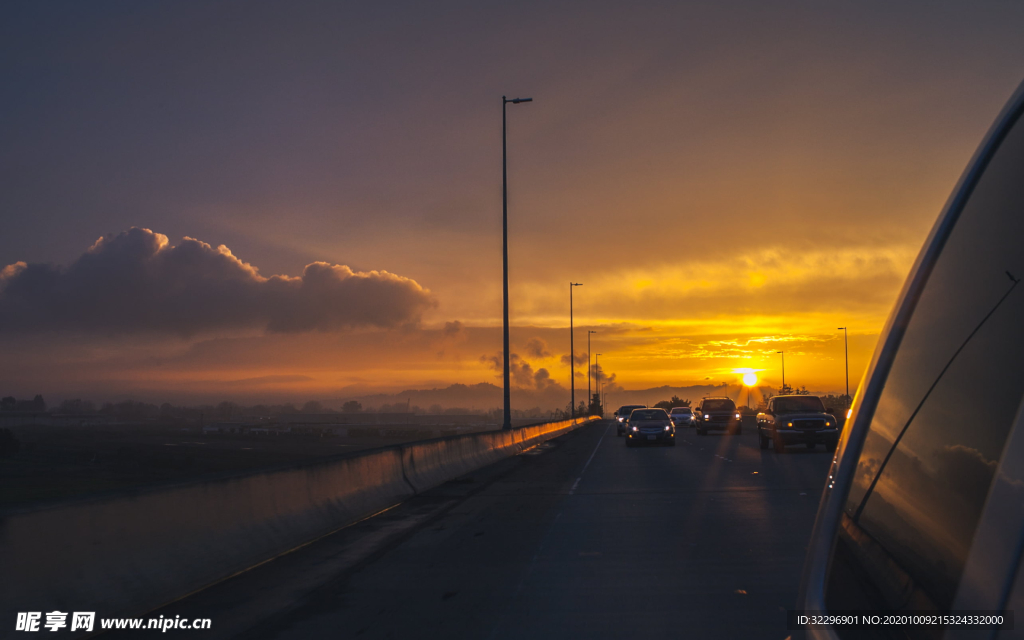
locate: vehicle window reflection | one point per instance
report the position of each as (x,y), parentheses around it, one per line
(950,398)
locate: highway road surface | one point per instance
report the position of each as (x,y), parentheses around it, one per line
(581,537)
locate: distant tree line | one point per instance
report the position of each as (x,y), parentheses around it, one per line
(595,408)
(35,405)
(133,410)
(668,405)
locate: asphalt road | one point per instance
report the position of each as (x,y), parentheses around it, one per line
(579,538)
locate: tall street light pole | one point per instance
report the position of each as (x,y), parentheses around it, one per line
(783,369)
(590,397)
(600,387)
(507,424)
(846,346)
(572,355)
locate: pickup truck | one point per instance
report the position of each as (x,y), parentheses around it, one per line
(717,413)
(797,419)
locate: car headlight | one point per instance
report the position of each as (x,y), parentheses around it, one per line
(789,424)
(668,428)
(828,424)
(737,415)
(706,416)
(634,429)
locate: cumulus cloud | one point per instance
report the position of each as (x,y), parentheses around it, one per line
(454,329)
(580,360)
(521,371)
(966,470)
(599,374)
(537,348)
(452,334)
(136,281)
(542,380)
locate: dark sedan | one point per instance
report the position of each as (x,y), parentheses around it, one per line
(650,426)
(622,416)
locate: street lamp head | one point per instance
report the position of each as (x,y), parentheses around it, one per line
(841,329)
(591,332)
(780,352)
(575,284)
(516,100)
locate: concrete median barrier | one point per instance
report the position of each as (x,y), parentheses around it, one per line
(428,464)
(128,553)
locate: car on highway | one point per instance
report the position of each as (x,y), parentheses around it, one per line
(682,416)
(622,415)
(650,426)
(797,419)
(717,413)
(923,506)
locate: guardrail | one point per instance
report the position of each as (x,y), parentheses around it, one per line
(127,554)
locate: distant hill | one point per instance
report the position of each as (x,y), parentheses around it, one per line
(692,393)
(485,396)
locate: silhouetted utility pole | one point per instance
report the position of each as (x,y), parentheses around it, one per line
(572,355)
(846,345)
(507,424)
(783,369)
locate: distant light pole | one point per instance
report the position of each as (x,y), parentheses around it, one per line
(507,424)
(749,380)
(572,355)
(846,345)
(600,387)
(783,369)
(590,397)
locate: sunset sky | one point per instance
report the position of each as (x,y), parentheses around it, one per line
(303,200)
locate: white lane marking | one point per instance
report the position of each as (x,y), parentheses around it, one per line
(499,624)
(577,483)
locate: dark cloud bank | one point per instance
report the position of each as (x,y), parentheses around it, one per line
(136,281)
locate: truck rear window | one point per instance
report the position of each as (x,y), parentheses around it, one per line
(800,403)
(719,405)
